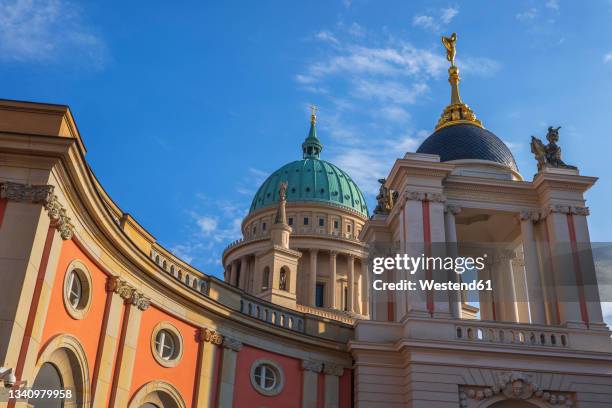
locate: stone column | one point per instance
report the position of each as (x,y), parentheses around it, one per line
(562,265)
(332,385)
(365,279)
(312,278)
(587,268)
(332,280)
(243,274)
(126,356)
(503,283)
(30,249)
(310,378)
(232,273)
(350,298)
(227,378)
(535,295)
(450,229)
(209,345)
(118,291)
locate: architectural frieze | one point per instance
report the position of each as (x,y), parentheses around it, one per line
(40,194)
(425,196)
(567,209)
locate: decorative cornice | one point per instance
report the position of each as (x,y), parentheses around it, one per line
(333,369)
(231,343)
(310,365)
(127,293)
(211,336)
(40,194)
(425,196)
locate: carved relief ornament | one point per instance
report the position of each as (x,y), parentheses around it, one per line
(514,386)
(128,293)
(207,335)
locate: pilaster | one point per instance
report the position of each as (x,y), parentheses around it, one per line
(227,378)
(209,342)
(310,378)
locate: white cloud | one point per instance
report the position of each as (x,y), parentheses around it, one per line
(527,15)
(326,36)
(424,21)
(448,14)
(552,4)
(435,21)
(207,225)
(607,58)
(356,30)
(47,31)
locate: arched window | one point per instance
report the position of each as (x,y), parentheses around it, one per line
(164,264)
(265,281)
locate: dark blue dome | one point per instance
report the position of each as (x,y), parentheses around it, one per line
(462,141)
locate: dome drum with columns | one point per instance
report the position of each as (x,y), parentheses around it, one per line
(324,212)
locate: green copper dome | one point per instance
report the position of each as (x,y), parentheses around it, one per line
(312,180)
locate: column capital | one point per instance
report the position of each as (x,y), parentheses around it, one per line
(127,292)
(231,343)
(530,215)
(333,369)
(205,334)
(313,251)
(425,196)
(452,209)
(310,365)
(333,253)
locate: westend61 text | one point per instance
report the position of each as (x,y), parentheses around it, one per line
(429,284)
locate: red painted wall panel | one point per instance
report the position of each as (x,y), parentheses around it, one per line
(86,330)
(245,396)
(146,368)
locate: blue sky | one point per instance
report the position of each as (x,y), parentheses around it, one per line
(185,110)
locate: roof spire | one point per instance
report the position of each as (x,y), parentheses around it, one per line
(312,145)
(457,112)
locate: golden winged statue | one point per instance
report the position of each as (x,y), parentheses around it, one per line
(449,44)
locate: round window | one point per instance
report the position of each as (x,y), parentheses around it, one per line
(166,345)
(77,290)
(267,377)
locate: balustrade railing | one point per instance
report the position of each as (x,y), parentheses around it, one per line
(525,335)
(269,313)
